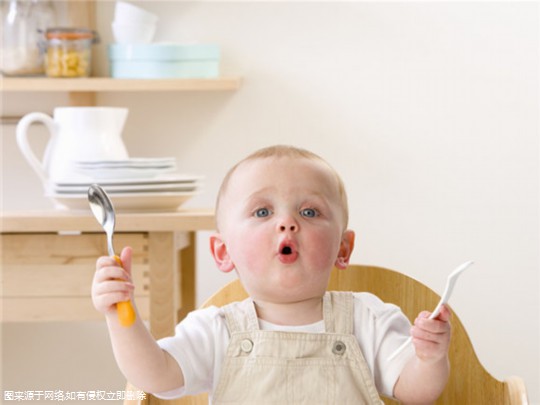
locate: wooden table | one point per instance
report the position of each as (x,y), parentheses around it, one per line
(48,260)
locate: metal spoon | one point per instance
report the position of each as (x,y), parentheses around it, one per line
(450,283)
(103,210)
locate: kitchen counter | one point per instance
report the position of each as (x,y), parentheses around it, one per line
(48,260)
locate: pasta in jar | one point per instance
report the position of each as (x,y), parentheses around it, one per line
(69,52)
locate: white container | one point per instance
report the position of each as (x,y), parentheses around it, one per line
(76,133)
(129,13)
(133,33)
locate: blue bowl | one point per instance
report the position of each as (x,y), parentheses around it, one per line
(165,60)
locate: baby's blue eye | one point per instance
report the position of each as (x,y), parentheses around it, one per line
(308,212)
(262,212)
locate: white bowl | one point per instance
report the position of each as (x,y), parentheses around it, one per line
(129,13)
(130,33)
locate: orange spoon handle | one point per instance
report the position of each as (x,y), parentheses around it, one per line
(126,313)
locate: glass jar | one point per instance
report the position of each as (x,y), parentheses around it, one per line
(69,52)
(23,24)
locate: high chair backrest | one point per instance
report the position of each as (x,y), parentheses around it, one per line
(469,382)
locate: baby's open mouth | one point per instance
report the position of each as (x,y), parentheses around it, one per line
(286,250)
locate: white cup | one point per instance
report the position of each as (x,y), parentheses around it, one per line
(131,14)
(130,33)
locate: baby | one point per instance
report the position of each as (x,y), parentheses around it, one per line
(282,226)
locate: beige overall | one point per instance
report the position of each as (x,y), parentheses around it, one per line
(273,367)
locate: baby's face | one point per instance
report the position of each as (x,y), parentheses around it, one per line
(281,220)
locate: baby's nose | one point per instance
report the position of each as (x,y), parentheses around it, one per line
(288,224)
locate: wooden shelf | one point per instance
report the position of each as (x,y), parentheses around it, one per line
(107,84)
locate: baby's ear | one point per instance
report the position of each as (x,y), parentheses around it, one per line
(220,253)
(345,249)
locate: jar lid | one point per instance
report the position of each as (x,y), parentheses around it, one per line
(71,33)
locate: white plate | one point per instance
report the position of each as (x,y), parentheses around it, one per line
(128,202)
(131,188)
(162,179)
(126,166)
(124,172)
(128,162)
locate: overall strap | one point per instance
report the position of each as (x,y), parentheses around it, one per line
(241,316)
(338,312)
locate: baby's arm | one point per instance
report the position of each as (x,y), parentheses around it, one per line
(141,360)
(424,377)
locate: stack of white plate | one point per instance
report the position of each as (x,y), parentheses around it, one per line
(136,184)
(126,168)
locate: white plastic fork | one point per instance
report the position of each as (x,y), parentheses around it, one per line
(450,282)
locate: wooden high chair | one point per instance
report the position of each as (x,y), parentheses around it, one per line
(469,382)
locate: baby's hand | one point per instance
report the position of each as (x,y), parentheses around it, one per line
(431,337)
(112,283)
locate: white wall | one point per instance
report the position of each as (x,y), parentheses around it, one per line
(428,110)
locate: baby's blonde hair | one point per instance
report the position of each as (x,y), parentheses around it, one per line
(278,151)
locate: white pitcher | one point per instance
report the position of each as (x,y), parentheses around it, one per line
(77,133)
